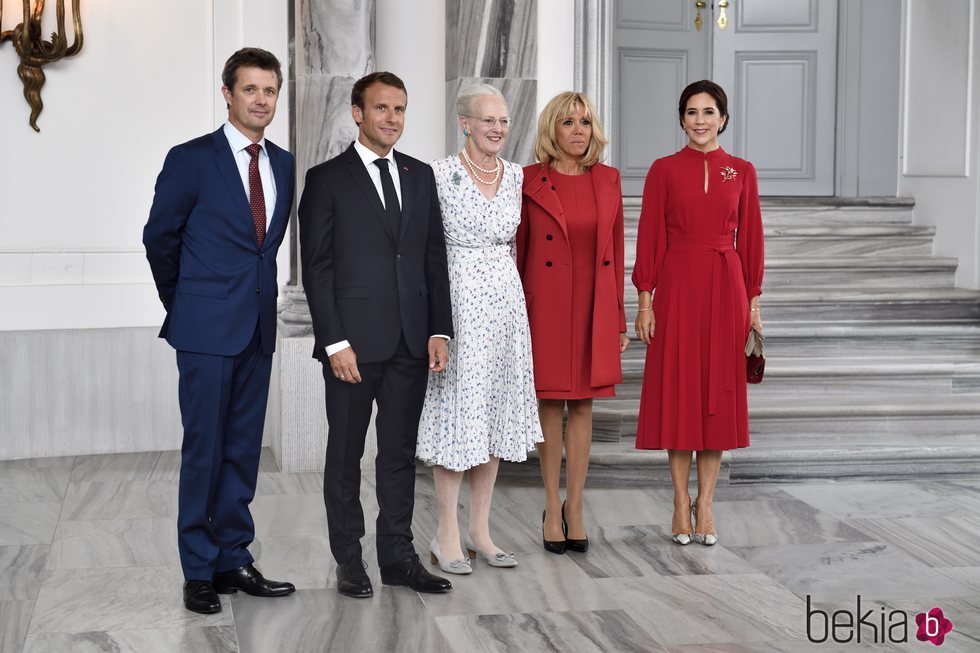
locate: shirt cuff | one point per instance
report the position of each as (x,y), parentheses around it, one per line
(439,335)
(337,346)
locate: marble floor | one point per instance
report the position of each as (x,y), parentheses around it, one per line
(88,562)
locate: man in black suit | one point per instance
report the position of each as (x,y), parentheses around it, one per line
(377,282)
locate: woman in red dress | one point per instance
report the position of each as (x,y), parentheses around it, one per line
(570,257)
(700,245)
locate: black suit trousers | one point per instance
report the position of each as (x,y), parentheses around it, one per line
(398,385)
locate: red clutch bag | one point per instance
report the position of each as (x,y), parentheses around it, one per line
(755,357)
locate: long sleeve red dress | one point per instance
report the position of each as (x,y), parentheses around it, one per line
(701,253)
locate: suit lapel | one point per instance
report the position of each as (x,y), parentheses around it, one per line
(542,192)
(607,206)
(405,181)
(225,161)
(280,172)
(363,180)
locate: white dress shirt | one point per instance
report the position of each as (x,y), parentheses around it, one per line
(238,142)
(368,158)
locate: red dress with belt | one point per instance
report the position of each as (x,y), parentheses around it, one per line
(701,252)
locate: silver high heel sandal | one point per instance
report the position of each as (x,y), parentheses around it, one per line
(707,539)
(461,566)
(682,538)
(498,560)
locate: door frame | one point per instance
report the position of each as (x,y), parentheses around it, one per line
(594,21)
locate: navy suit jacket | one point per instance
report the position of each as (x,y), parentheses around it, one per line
(365,284)
(213,278)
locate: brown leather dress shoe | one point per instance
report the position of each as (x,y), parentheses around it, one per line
(249,580)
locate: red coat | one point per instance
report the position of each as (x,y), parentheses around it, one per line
(544,262)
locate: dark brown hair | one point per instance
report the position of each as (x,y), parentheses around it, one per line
(379,77)
(712,89)
(249,58)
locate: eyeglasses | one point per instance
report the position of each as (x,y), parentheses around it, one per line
(490,122)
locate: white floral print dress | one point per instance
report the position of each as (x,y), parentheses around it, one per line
(484,403)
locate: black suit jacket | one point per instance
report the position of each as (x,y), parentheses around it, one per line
(365,284)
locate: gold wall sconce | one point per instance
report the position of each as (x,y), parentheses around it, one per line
(35,52)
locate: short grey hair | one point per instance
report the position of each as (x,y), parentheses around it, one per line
(467,96)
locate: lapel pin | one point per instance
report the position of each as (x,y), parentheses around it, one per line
(405,168)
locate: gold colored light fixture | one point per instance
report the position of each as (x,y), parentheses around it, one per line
(35,52)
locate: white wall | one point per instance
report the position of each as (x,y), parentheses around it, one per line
(76,195)
(410,41)
(940,163)
(556,49)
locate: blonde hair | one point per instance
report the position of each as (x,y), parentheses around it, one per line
(558,108)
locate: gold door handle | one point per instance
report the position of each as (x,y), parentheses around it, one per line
(697,19)
(722,17)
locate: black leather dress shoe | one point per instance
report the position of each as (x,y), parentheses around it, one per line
(411,573)
(579,546)
(352,580)
(199,596)
(249,580)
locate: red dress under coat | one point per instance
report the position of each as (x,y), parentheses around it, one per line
(702,252)
(571,262)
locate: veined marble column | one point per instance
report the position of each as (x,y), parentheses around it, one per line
(494,41)
(333,46)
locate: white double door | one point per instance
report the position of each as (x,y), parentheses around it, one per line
(776,60)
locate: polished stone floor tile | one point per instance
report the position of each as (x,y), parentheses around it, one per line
(28,523)
(291,515)
(120,467)
(120,500)
(215,639)
(303,560)
(967,575)
(21,568)
(963,612)
(942,542)
(708,608)
(292,484)
(115,543)
(839,571)
(310,621)
(599,631)
(605,506)
(15,617)
(84,600)
(624,551)
(58,462)
(786,646)
(874,500)
(543,582)
(28,485)
(775,522)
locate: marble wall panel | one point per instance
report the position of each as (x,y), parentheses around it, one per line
(491,38)
(521,96)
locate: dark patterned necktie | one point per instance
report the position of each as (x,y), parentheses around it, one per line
(392,210)
(256,196)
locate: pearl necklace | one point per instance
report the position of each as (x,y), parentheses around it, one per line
(473,169)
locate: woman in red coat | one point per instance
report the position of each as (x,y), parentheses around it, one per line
(570,257)
(700,245)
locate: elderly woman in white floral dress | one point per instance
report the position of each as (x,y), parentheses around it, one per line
(483,407)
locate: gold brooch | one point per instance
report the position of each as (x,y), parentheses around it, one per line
(728,173)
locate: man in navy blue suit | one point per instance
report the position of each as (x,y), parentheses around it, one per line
(377,282)
(219,213)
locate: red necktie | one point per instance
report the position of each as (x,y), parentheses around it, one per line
(256,198)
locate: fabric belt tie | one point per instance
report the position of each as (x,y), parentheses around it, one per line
(722,314)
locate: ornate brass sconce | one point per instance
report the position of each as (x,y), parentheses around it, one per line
(35,52)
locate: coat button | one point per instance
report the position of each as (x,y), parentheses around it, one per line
(547,263)
(549,237)
(544,179)
(256,291)
(398,257)
(262,255)
(605,262)
(553,188)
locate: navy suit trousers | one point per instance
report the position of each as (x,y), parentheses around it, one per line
(222,406)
